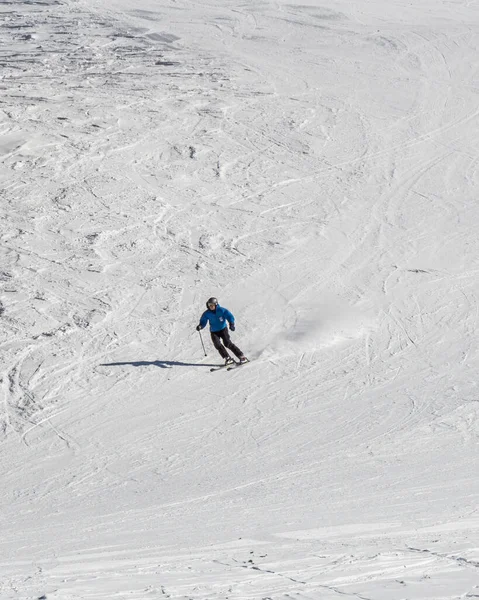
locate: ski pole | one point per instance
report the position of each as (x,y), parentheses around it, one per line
(201,338)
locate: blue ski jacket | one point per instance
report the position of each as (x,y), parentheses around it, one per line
(218,318)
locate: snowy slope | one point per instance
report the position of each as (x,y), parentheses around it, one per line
(315,166)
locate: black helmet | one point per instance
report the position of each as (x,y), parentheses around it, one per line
(211,301)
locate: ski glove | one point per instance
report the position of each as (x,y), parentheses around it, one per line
(232,327)
(199,328)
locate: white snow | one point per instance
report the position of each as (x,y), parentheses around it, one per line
(314,166)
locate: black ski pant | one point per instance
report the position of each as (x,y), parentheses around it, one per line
(224,336)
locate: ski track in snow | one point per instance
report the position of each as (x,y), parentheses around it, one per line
(315,167)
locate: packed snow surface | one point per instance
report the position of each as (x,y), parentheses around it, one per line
(315,166)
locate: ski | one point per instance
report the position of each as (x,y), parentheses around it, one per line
(236,365)
(219,367)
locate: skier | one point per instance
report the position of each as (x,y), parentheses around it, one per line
(218,318)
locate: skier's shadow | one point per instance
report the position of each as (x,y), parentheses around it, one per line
(163,364)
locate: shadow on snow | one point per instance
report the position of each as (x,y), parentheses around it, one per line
(163,364)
